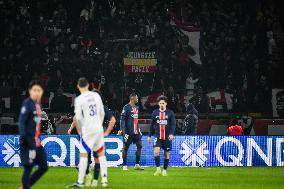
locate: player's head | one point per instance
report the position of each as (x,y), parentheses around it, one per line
(162,102)
(133,97)
(83,84)
(35,90)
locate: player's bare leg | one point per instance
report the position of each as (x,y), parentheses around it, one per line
(124,156)
(166,162)
(157,161)
(103,167)
(138,155)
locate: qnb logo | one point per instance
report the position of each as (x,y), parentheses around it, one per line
(11,152)
(162,122)
(194,152)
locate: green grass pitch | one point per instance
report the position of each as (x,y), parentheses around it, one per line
(199,177)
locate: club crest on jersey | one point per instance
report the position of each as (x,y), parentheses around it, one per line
(166,117)
(134,116)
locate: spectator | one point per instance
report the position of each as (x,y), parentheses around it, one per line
(40,37)
(173,100)
(59,102)
(190,85)
(271,42)
(191,120)
(201,101)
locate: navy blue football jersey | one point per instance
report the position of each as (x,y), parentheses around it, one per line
(129,119)
(163,124)
(29,122)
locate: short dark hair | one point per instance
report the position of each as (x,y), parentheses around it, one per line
(162,97)
(35,82)
(82,82)
(132,95)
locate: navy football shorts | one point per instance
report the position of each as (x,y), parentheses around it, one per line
(164,144)
(134,138)
(40,157)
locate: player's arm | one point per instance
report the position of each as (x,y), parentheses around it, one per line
(78,112)
(73,125)
(172,126)
(151,129)
(24,141)
(23,117)
(122,120)
(111,121)
(195,80)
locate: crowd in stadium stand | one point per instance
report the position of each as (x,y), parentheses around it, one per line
(241,49)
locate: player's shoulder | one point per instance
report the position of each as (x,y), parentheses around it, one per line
(27,102)
(126,106)
(94,93)
(156,111)
(26,105)
(78,98)
(170,111)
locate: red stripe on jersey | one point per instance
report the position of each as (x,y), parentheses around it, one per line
(135,120)
(162,126)
(37,136)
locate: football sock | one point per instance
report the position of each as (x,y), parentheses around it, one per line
(103,167)
(124,161)
(157,161)
(42,168)
(82,169)
(124,155)
(89,162)
(138,152)
(26,177)
(138,159)
(166,164)
(96,171)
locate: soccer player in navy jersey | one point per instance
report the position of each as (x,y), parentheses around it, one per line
(130,130)
(31,150)
(162,127)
